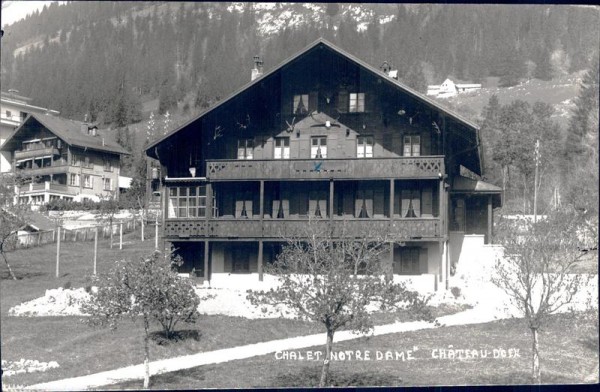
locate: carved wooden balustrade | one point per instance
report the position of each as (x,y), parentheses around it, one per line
(344,168)
(399,229)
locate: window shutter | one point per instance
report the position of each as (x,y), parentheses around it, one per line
(426,143)
(343,101)
(313,98)
(379,203)
(427,207)
(370,103)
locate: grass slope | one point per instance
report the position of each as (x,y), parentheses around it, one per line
(566,358)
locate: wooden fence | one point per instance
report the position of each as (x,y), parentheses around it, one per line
(29,240)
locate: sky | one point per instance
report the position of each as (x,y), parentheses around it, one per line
(13,11)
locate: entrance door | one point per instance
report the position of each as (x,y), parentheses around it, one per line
(241,260)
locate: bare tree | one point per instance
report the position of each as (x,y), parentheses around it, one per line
(331,277)
(108,207)
(12,217)
(147,289)
(536,269)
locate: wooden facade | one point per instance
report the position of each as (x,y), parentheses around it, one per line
(63,159)
(324,138)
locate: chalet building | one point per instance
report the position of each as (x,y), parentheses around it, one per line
(14,109)
(451,89)
(58,158)
(323,137)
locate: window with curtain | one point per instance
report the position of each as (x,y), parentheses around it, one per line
(412,145)
(317,204)
(363,206)
(243,204)
(301,104)
(245,149)
(410,203)
(364,147)
(318,147)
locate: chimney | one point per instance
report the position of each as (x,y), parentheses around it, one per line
(257,71)
(387,69)
(84,125)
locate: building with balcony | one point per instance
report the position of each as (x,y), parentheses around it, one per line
(13,111)
(56,158)
(328,139)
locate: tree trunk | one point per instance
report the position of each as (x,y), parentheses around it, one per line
(10,271)
(142,221)
(326,360)
(146,356)
(536,357)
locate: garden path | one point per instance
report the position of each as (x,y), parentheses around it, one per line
(472,316)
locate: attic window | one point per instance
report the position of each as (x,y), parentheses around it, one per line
(301,104)
(357,103)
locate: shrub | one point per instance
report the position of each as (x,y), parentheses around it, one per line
(455,291)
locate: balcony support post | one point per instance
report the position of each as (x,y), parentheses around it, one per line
(392,201)
(331,190)
(260,242)
(442,228)
(390,267)
(490,220)
(206,256)
(260,260)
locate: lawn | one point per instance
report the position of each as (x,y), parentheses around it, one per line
(80,349)
(565,358)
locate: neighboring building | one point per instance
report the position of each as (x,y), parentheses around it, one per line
(62,159)
(450,89)
(13,110)
(323,136)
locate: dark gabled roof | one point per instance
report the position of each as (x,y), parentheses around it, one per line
(70,132)
(321,41)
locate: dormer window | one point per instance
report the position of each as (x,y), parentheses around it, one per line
(92,131)
(318,147)
(301,104)
(364,147)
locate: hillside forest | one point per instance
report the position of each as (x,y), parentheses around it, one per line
(110,61)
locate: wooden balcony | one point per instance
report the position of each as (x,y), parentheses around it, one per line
(317,169)
(42,171)
(276,229)
(45,186)
(35,153)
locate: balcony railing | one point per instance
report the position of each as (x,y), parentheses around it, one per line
(289,169)
(39,152)
(399,229)
(44,186)
(54,169)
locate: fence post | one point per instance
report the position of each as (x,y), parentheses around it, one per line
(39,237)
(53,235)
(58,253)
(85,231)
(95,248)
(121,235)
